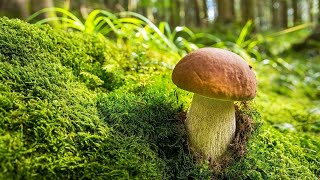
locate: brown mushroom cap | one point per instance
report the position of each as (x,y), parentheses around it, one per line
(216,73)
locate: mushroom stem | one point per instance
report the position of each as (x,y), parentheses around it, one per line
(211,126)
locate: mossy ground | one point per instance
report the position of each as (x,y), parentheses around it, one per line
(287,146)
(58,124)
(75,106)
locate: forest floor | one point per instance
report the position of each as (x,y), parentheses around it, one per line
(73,105)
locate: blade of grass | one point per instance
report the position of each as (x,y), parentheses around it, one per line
(292,29)
(246,30)
(154,27)
(53,9)
(164,27)
(101,23)
(68,22)
(206,36)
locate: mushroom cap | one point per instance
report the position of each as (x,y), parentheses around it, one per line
(216,73)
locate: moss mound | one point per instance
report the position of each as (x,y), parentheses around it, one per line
(54,126)
(49,124)
(152,113)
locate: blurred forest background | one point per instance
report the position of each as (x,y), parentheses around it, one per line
(267,14)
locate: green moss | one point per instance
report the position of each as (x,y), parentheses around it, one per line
(53,127)
(273,155)
(84,54)
(152,114)
(57,122)
(49,124)
(287,146)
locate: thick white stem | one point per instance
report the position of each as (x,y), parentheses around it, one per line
(211,126)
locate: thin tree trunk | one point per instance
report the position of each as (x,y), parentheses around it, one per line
(232,9)
(174,13)
(150,13)
(260,15)
(125,4)
(83,9)
(311,14)
(296,13)
(14,8)
(182,12)
(283,13)
(247,10)
(318,18)
(197,13)
(226,11)
(205,12)
(132,5)
(275,14)
(22,5)
(142,8)
(188,11)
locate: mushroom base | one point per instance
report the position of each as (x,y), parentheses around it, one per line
(211,126)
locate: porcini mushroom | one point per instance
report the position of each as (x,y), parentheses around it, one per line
(217,77)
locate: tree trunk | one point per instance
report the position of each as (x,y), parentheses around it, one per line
(279,14)
(182,12)
(247,10)
(197,13)
(283,13)
(125,4)
(14,8)
(132,5)
(296,12)
(226,11)
(261,14)
(174,15)
(22,5)
(205,12)
(310,13)
(188,13)
(142,8)
(232,9)
(150,13)
(275,14)
(314,36)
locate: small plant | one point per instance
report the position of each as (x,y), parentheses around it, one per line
(130,28)
(125,26)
